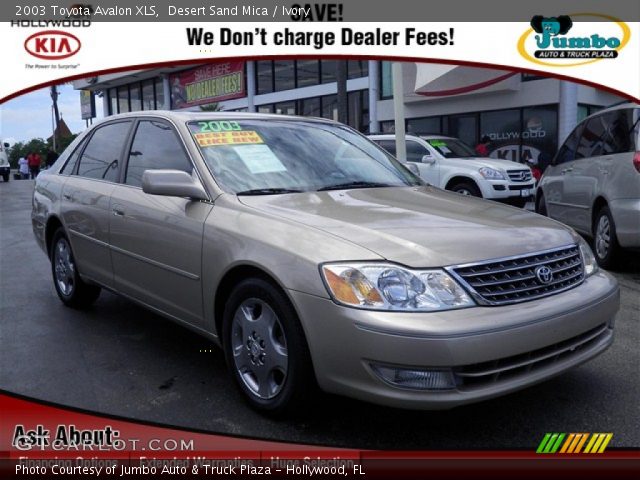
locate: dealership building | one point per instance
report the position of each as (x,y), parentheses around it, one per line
(525,115)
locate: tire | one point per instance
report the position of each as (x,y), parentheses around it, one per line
(266,350)
(466,188)
(6,177)
(71,289)
(541,206)
(605,241)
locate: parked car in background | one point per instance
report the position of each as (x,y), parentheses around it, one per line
(593,182)
(449,163)
(314,258)
(5,168)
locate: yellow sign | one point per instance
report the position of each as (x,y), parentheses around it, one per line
(244,137)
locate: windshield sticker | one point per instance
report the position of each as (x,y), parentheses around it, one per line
(212,139)
(259,159)
(221,126)
(444,149)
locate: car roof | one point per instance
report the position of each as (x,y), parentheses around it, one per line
(429,136)
(617,106)
(186,116)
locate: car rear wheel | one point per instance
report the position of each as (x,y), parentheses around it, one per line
(605,242)
(71,289)
(466,188)
(5,177)
(266,349)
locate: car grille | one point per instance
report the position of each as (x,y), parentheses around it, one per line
(519,175)
(483,374)
(523,278)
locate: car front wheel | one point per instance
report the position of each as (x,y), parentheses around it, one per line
(466,188)
(266,349)
(605,242)
(71,289)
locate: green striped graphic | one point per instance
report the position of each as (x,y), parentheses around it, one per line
(551,443)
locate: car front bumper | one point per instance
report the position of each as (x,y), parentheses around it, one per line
(557,332)
(505,190)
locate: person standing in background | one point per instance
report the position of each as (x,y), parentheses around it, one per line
(482,149)
(23,168)
(34,164)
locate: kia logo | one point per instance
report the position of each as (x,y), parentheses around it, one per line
(544,274)
(52,45)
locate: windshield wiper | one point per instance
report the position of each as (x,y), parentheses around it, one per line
(347,185)
(268,191)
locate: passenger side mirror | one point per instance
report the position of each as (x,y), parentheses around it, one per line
(428,159)
(172,183)
(6,145)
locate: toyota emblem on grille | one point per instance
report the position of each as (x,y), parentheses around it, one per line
(544,274)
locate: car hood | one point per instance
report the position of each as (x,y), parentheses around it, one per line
(419,226)
(479,162)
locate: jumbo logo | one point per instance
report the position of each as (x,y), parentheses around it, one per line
(561,42)
(52,45)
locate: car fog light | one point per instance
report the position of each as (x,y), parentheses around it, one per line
(415,379)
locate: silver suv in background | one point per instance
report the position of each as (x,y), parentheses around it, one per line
(593,183)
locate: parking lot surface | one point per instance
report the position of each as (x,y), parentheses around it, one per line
(120,359)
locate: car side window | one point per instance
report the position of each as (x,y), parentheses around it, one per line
(415,151)
(70,164)
(567,151)
(155,146)
(100,159)
(619,138)
(594,136)
(388,145)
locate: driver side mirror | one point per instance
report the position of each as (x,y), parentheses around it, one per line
(428,159)
(6,145)
(172,183)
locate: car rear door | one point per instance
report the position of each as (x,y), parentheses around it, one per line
(156,241)
(86,197)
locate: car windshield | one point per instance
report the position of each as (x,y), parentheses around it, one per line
(266,157)
(451,148)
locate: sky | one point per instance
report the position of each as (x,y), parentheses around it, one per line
(29,116)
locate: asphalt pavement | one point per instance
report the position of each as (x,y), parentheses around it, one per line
(120,359)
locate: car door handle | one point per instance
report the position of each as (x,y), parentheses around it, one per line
(566,170)
(67,196)
(118,212)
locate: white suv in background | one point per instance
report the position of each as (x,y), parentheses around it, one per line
(451,164)
(5,169)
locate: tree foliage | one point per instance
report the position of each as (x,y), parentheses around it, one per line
(35,145)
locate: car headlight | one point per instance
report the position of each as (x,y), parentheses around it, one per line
(391,287)
(491,173)
(588,258)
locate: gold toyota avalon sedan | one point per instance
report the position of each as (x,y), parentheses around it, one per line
(314,258)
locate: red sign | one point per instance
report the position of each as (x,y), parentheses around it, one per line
(52,45)
(207,84)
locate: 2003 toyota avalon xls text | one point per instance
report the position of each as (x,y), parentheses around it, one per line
(315,258)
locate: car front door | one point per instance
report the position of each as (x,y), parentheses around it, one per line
(555,184)
(156,241)
(86,197)
(429,168)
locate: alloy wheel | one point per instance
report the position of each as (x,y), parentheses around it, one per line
(603,237)
(259,348)
(64,267)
